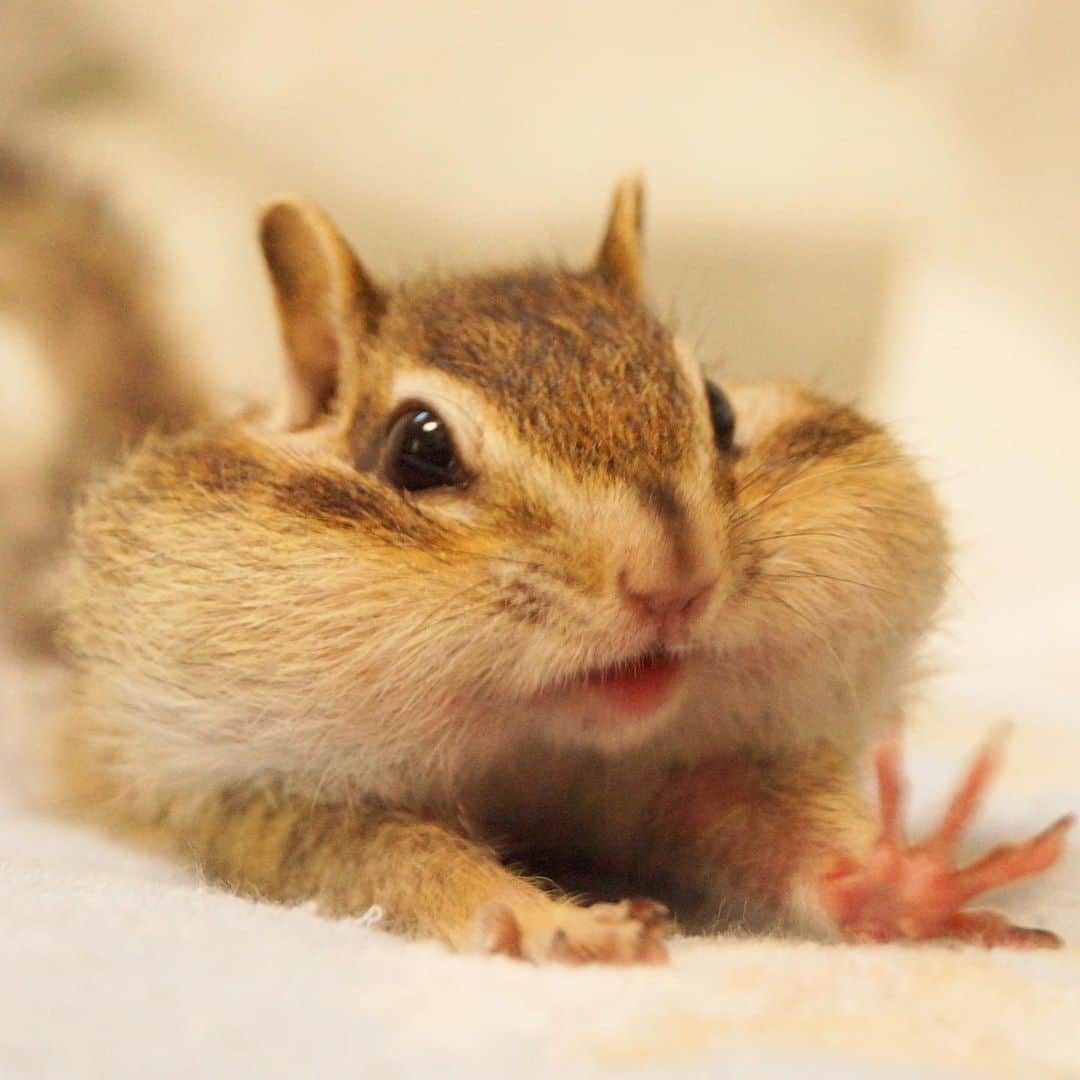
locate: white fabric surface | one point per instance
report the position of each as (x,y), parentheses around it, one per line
(116,965)
(831,119)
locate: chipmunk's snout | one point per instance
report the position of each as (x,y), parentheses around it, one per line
(669,603)
(668,567)
(672,560)
(680,602)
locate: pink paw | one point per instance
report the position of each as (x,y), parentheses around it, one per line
(914,892)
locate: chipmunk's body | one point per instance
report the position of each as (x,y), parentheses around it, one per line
(498,586)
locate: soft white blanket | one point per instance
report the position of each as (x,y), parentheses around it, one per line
(116,965)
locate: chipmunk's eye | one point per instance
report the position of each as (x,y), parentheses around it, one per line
(723,418)
(420,453)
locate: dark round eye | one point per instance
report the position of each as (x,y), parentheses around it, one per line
(723,419)
(420,452)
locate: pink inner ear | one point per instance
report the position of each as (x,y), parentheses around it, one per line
(311,376)
(324,382)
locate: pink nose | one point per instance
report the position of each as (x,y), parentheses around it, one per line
(686,602)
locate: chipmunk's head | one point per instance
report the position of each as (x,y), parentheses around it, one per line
(508,504)
(556,474)
(556,489)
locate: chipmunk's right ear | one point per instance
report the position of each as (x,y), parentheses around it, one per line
(619,258)
(326,304)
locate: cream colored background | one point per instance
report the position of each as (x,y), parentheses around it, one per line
(878,198)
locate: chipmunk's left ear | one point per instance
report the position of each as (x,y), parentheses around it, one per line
(327,305)
(619,258)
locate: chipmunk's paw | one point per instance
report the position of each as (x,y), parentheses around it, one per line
(913,891)
(629,932)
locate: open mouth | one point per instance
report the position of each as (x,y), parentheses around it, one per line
(638,686)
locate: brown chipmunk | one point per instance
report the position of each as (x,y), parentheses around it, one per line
(72,283)
(503,588)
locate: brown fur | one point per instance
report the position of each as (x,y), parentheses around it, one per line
(264,842)
(316,686)
(831,431)
(756,826)
(527,339)
(70,274)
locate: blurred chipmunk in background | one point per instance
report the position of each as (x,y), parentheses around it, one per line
(86,370)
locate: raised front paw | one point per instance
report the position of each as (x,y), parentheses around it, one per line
(629,932)
(914,892)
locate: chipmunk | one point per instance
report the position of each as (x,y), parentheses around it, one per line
(506,617)
(72,296)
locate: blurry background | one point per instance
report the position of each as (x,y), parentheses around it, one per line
(877,197)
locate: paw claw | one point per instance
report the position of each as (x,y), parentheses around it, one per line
(1059,828)
(560,949)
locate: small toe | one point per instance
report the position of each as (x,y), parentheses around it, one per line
(994,931)
(1011,862)
(499,933)
(650,913)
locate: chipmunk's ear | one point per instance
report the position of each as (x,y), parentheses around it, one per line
(326,304)
(619,258)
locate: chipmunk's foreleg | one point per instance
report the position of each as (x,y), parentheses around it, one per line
(793,837)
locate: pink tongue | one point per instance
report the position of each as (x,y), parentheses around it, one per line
(639,688)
